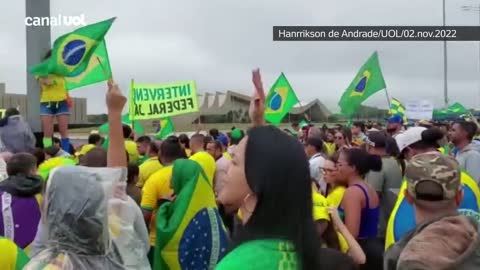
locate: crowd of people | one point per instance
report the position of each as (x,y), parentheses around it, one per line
(359,197)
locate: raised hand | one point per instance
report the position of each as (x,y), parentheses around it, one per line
(115,99)
(257,103)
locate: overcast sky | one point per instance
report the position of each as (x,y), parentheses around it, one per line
(218,42)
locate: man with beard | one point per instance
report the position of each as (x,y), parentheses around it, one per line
(395,125)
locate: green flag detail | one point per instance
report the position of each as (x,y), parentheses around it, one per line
(72,52)
(126,121)
(98,69)
(303,123)
(458,108)
(397,108)
(280,100)
(453,111)
(368,81)
(166,129)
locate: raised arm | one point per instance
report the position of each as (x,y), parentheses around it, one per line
(354,249)
(257,103)
(116,155)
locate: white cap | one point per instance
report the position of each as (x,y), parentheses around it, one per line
(409,137)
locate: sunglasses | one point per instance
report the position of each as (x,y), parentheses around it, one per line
(338,138)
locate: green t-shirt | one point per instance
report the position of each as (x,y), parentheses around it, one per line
(261,255)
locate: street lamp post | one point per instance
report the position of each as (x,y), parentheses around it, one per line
(475,9)
(445,63)
(38,43)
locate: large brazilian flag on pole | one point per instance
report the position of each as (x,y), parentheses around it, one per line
(72,52)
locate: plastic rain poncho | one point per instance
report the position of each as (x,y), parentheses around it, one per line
(125,220)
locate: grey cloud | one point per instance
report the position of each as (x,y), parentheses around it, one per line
(217,42)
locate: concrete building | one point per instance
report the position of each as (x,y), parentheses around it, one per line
(232,107)
(8,100)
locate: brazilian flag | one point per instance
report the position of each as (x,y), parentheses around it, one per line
(458,108)
(98,70)
(166,128)
(368,81)
(280,100)
(190,231)
(397,108)
(72,52)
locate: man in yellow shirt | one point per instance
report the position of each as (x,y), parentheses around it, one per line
(157,188)
(143,143)
(204,159)
(130,145)
(150,166)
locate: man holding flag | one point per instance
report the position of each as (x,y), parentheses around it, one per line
(71,63)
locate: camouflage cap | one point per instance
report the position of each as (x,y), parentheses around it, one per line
(433,167)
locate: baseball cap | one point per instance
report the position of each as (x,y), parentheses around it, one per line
(236,134)
(425,123)
(223,139)
(433,177)
(395,119)
(409,137)
(376,139)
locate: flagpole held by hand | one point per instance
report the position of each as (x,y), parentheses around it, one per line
(104,69)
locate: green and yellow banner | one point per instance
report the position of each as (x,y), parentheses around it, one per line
(149,101)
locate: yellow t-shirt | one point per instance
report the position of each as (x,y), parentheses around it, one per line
(12,257)
(147,169)
(188,152)
(206,161)
(83,151)
(156,188)
(330,148)
(227,155)
(336,196)
(320,210)
(132,151)
(55,92)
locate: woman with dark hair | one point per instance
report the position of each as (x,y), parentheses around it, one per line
(185,142)
(269,181)
(54,103)
(361,203)
(274,193)
(343,139)
(336,186)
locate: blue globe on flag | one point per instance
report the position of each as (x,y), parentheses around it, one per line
(73,52)
(276,102)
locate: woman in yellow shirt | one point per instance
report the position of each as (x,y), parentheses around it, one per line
(54,103)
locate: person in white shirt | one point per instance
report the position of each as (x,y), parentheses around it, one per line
(315,152)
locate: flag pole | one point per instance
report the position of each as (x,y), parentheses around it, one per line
(103,68)
(388,97)
(132,112)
